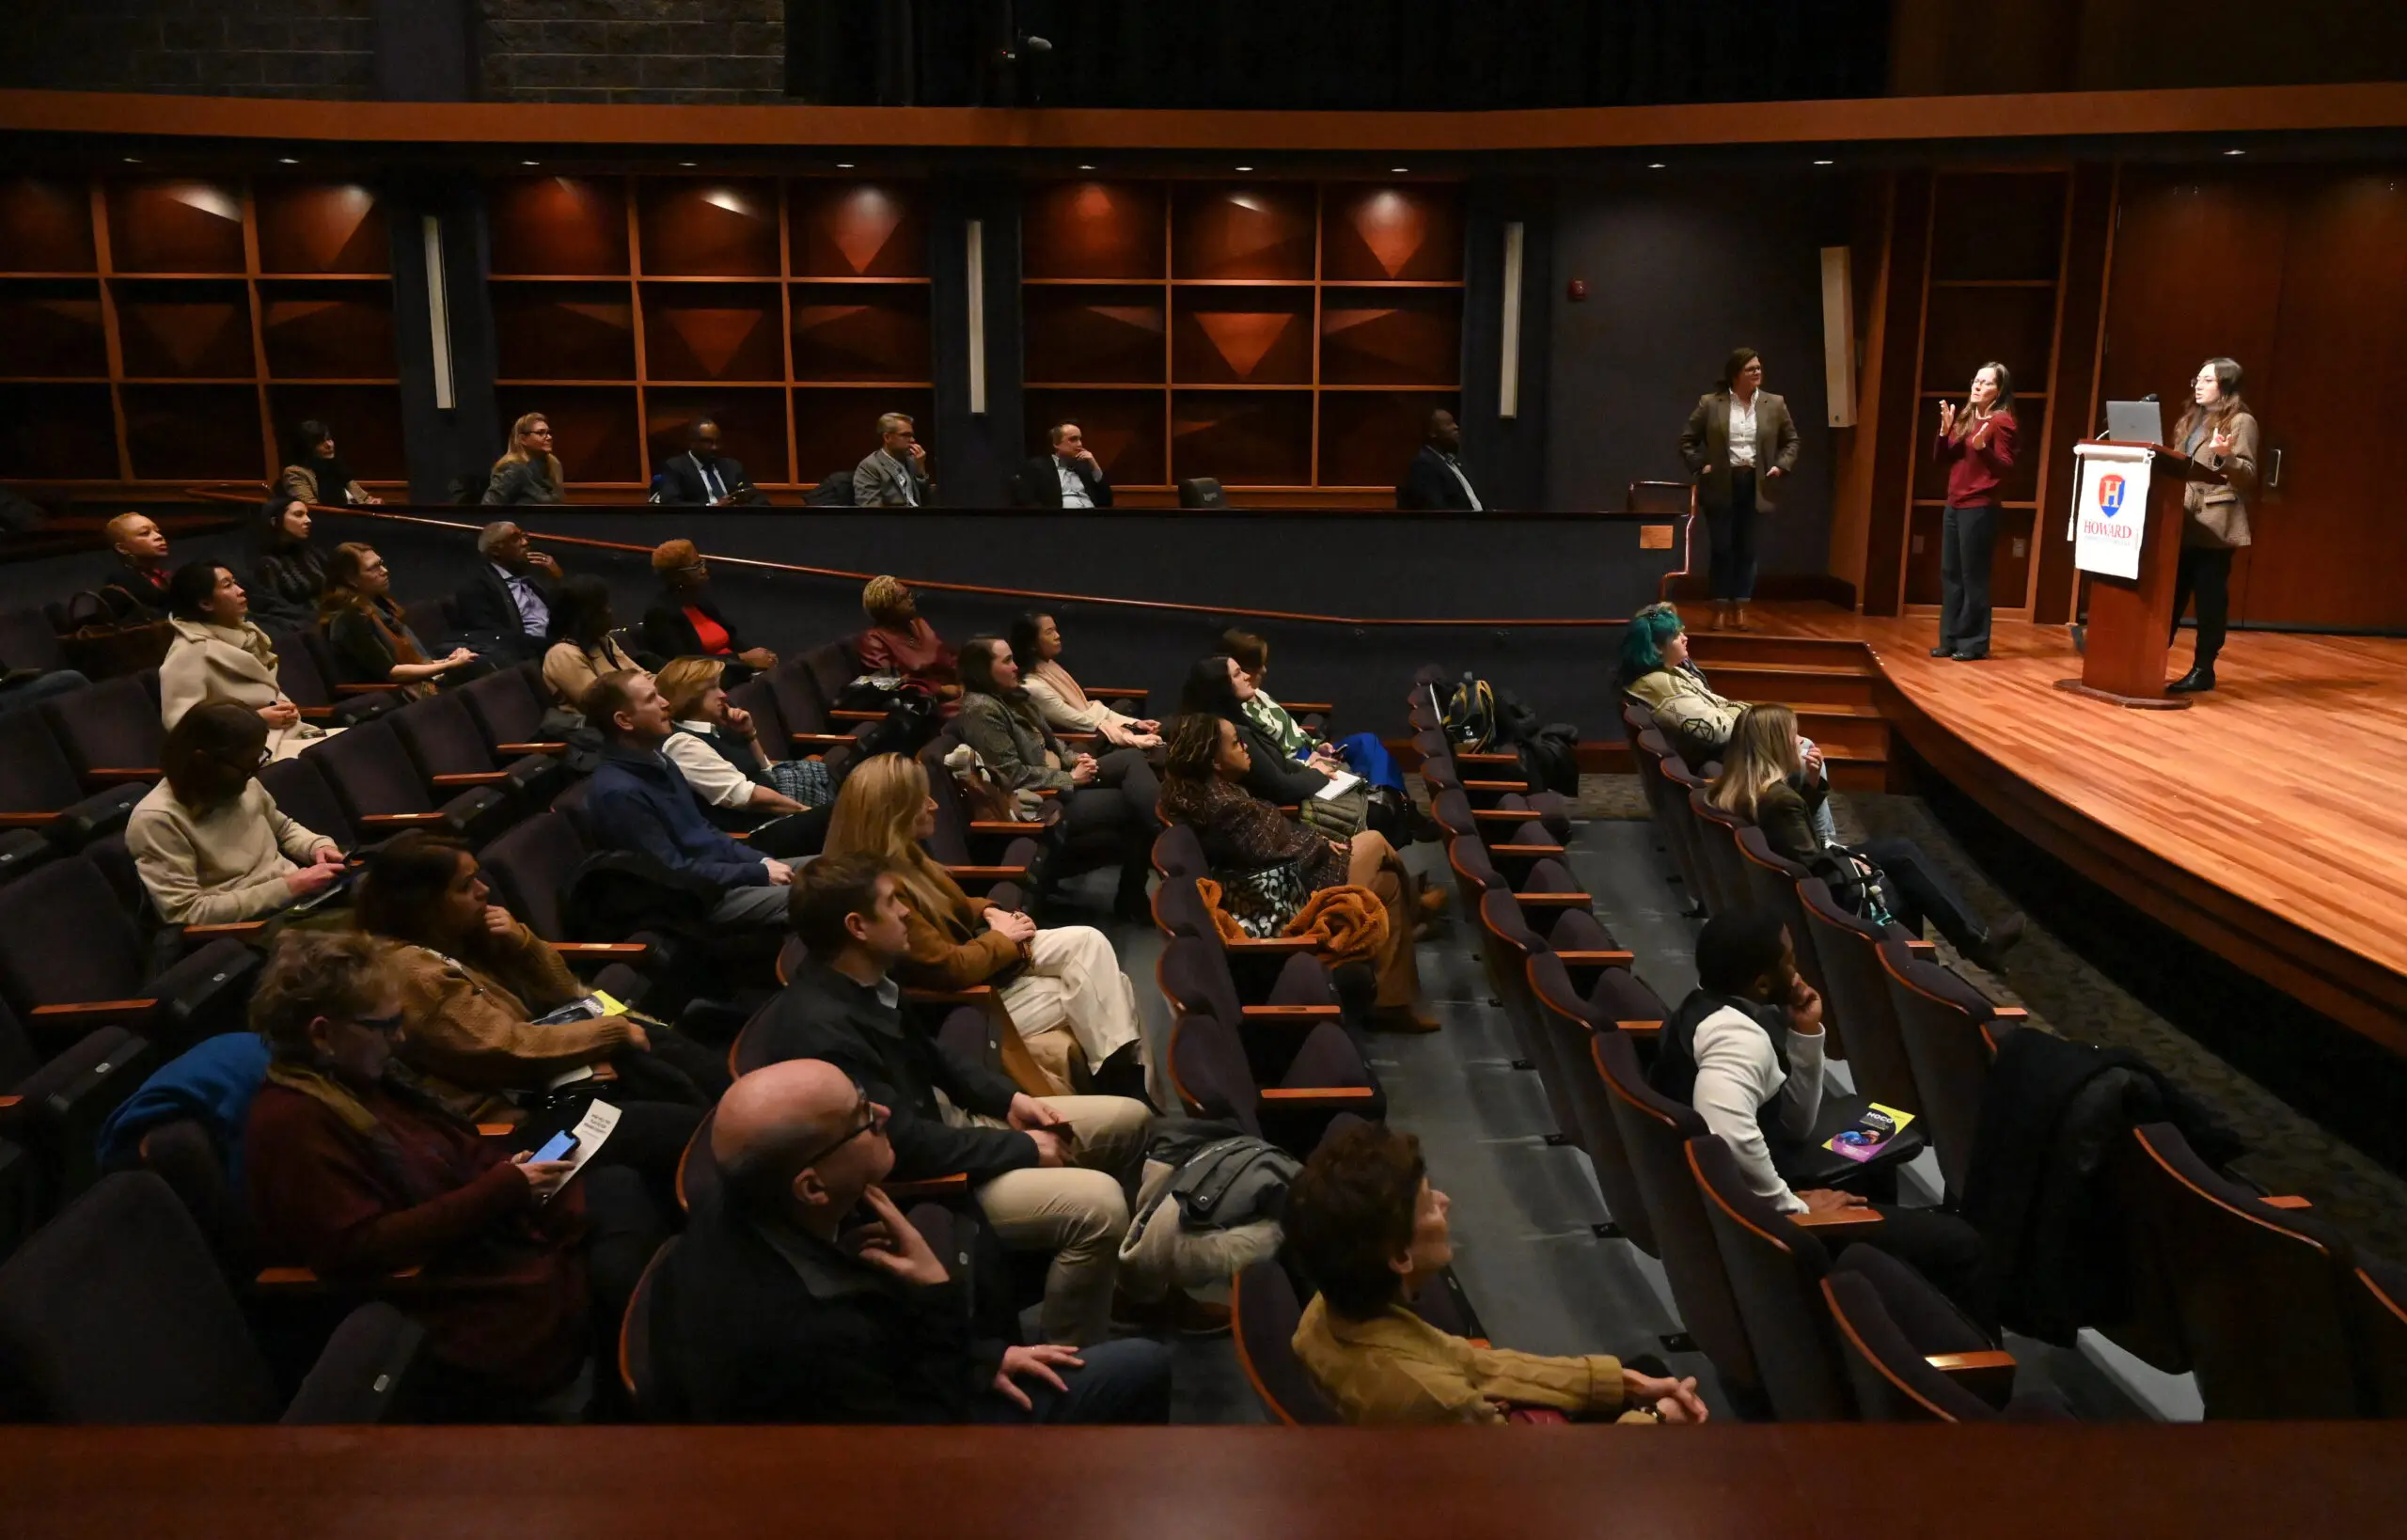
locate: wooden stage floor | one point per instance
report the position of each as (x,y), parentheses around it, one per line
(2269,821)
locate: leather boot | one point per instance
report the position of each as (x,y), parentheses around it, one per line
(1989,952)
(1739,621)
(2200,679)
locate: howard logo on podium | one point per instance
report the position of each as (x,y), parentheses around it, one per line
(2113,484)
(2110,495)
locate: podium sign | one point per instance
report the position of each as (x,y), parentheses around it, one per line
(2110,508)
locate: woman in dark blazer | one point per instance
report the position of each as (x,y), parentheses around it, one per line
(1738,475)
(2219,433)
(685,622)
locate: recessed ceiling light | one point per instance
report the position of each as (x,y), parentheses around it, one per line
(1654,166)
(1244,168)
(843,165)
(1083,166)
(530,162)
(2234,152)
(1821,163)
(687,164)
(285,160)
(1399,171)
(133,159)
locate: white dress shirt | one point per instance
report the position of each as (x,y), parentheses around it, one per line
(706,770)
(1073,486)
(1737,1073)
(1457,466)
(1743,430)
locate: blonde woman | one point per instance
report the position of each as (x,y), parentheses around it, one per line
(528,472)
(1763,779)
(1062,985)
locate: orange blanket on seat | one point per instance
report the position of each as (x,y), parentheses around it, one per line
(1349,924)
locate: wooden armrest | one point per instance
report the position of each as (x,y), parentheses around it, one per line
(1270,946)
(2013,1013)
(315,714)
(839,714)
(1000,825)
(1114,692)
(96,1008)
(739,836)
(1598,959)
(365,690)
(241,927)
(972,995)
(1049,791)
(471,777)
(496,1130)
(1295,707)
(27,819)
(1290,808)
(1502,815)
(119,773)
(1296,1013)
(401,818)
(304,1277)
(1837,1219)
(1078,737)
(1553,900)
(2289,1200)
(1640,1029)
(517,750)
(1533,851)
(820,740)
(1495,786)
(1988,1374)
(600,949)
(928,1187)
(1958,1363)
(987,874)
(1295,1095)
(10,1102)
(1460,757)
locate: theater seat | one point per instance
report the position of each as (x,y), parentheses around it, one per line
(71,959)
(1194,976)
(1177,853)
(1848,950)
(1950,1032)
(53,1104)
(650,1390)
(110,732)
(44,806)
(1871,1296)
(381,790)
(1264,1314)
(1328,1079)
(509,708)
(445,744)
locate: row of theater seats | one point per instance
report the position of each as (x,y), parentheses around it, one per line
(2274,1312)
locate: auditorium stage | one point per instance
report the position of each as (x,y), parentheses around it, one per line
(2269,822)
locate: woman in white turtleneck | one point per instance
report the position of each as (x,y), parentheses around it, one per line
(220,654)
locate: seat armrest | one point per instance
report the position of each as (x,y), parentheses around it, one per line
(1115,693)
(1272,946)
(1309,1095)
(315,714)
(1987,1374)
(954,1186)
(617,951)
(28,819)
(1840,1219)
(398,820)
(2285,1201)
(820,739)
(1298,1015)
(1532,852)
(470,777)
(1598,959)
(999,825)
(988,873)
(1497,785)
(529,748)
(1080,739)
(1296,708)
(1923,951)
(119,775)
(1459,757)
(1503,815)
(2013,1015)
(1640,1029)
(240,927)
(94,1009)
(1554,901)
(838,714)
(366,690)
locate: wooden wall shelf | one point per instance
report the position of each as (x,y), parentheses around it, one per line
(1274,335)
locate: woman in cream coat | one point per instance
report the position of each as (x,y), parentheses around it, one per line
(220,654)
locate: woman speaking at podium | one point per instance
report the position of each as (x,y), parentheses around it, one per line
(2219,433)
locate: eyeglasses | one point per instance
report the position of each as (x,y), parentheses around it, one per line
(872,1119)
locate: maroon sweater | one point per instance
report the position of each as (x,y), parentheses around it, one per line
(1972,475)
(441,1199)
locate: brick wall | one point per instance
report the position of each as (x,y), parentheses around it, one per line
(298,48)
(682,51)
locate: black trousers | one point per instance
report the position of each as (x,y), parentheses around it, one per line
(2204,571)
(1115,813)
(1946,1250)
(1915,892)
(1968,540)
(1729,503)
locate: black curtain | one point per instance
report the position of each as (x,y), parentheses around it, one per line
(1362,55)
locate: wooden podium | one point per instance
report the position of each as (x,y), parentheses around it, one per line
(2131,619)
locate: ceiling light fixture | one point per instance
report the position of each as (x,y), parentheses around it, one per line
(843,165)
(1399,171)
(1244,168)
(285,160)
(687,164)
(1083,166)
(530,162)
(2234,152)
(1821,163)
(133,159)
(1654,166)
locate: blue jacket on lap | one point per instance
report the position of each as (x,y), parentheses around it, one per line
(639,801)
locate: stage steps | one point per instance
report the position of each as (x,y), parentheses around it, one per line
(1827,682)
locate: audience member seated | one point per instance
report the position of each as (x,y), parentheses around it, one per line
(686,622)
(1269,866)
(505,606)
(137,579)
(1061,985)
(702,477)
(528,471)
(638,800)
(211,845)
(316,472)
(1772,778)
(1106,800)
(288,575)
(218,654)
(895,474)
(1362,752)
(784,803)
(1036,643)
(352,1172)
(1658,674)
(899,641)
(1219,686)
(1068,476)
(22,689)
(370,638)
(583,649)
(1745,1049)
(805,1296)
(1369,1232)
(1051,1174)
(1436,479)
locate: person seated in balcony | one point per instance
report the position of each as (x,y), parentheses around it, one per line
(1370,1232)
(1269,866)
(136,580)
(806,1296)
(895,474)
(1745,1049)
(288,574)
(686,623)
(1436,479)
(219,654)
(901,641)
(1066,477)
(584,646)
(210,843)
(704,477)
(1036,642)
(370,638)
(518,1273)
(506,604)
(22,689)
(1770,777)
(315,472)
(528,471)
(784,804)
(1062,984)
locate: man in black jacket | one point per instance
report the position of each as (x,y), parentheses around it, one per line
(1436,479)
(1051,1173)
(1067,478)
(803,1294)
(702,477)
(506,605)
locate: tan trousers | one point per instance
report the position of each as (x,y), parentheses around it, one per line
(1078,1213)
(1073,994)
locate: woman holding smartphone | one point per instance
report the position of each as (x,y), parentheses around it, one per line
(1976,444)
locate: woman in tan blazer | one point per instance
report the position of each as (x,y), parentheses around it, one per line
(2219,433)
(1738,475)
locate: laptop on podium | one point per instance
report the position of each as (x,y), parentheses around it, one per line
(2135,422)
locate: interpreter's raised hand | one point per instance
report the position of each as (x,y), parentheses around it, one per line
(893,1244)
(545,1177)
(1037,1363)
(2221,443)
(1946,419)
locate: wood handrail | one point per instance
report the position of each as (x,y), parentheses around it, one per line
(937,585)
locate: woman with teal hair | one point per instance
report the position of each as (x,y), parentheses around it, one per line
(1658,674)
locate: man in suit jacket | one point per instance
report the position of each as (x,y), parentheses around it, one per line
(1738,474)
(1436,479)
(702,477)
(896,476)
(505,605)
(1067,478)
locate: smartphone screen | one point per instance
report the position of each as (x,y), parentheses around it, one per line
(557,1147)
